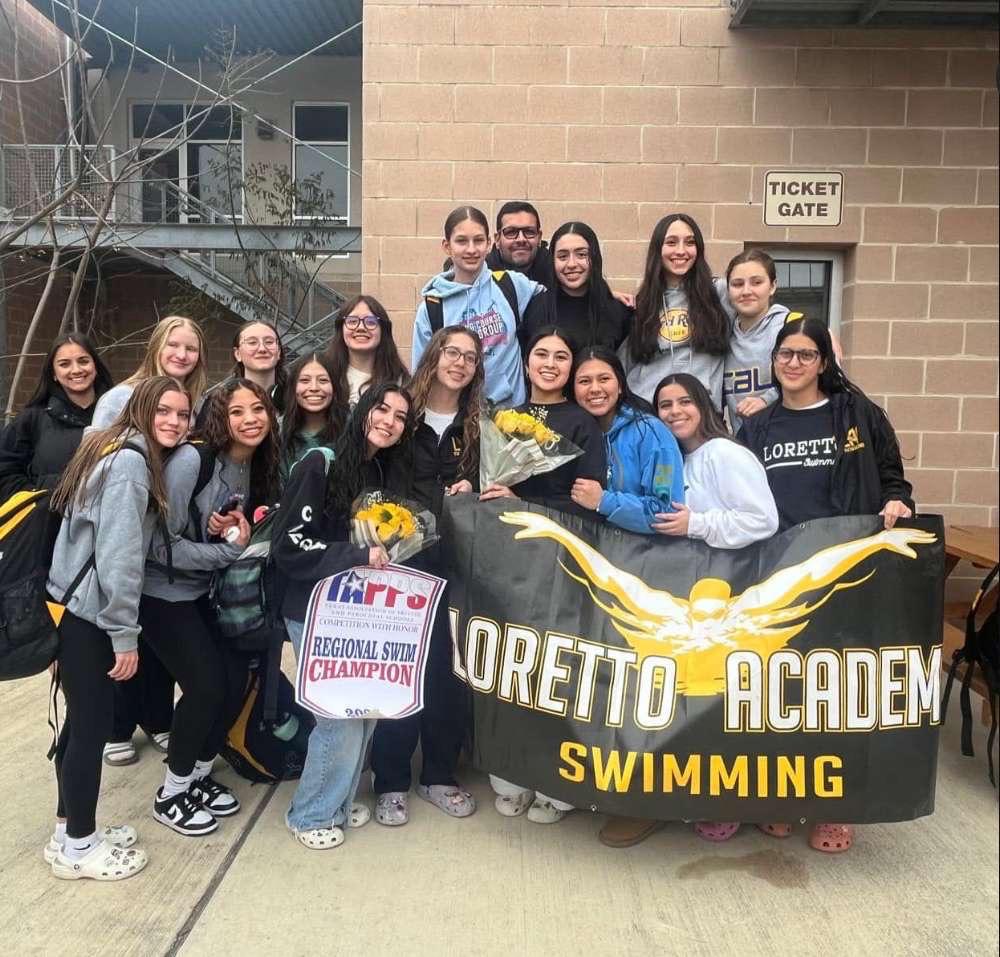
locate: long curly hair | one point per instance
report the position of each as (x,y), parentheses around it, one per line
(707,321)
(213,430)
(150,365)
(388,367)
(295,416)
(346,479)
(470,401)
(137,418)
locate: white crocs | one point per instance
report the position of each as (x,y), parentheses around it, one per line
(120,835)
(360,815)
(104,862)
(320,838)
(543,811)
(513,805)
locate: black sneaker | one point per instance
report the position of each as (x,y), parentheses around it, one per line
(184,814)
(215,798)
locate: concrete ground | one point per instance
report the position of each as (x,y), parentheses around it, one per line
(490,885)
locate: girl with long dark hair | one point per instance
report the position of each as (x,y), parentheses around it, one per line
(680,324)
(645,473)
(827,449)
(311,541)
(37,445)
(446,390)
(110,496)
(315,413)
(238,433)
(580,302)
(362,351)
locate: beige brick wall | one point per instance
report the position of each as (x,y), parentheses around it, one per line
(619,112)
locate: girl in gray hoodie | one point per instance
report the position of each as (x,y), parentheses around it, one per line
(238,439)
(680,322)
(109,496)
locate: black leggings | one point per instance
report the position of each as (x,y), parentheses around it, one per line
(146,700)
(212,677)
(440,727)
(85,658)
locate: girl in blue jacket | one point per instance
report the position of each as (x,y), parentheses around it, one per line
(645,468)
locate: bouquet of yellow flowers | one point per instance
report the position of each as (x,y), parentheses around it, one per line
(401,527)
(514,445)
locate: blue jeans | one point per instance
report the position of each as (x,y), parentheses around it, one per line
(333,764)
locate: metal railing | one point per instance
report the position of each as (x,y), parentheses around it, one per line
(32,176)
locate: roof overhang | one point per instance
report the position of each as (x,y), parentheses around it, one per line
(182,29)
(900,14)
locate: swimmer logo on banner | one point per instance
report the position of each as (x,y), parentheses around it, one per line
(364,646)
(653,677)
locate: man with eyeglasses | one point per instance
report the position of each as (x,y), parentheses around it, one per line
(518,243)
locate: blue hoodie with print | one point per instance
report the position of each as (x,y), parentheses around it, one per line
(645,471)
(482,308)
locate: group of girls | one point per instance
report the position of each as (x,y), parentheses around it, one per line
(642,395)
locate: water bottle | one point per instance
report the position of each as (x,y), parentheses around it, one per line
(287,729)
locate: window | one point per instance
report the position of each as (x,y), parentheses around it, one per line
(200,180)
(810,281)
(322,159)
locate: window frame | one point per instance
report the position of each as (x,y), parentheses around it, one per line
(296,140)
(183,180)
(804,254)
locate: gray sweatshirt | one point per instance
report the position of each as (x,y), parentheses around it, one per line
(194,559)
(748,363)
(115,523)
(110,405)
(676,354)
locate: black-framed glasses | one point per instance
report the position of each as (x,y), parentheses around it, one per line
(356,322)
(805,356)
(453,354)
(528,232)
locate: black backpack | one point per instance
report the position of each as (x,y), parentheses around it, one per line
(982,649)
(435,311)
(28,530)
(266,751)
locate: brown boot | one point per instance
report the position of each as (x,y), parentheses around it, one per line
(627,831)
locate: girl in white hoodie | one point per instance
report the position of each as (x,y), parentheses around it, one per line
(729,502)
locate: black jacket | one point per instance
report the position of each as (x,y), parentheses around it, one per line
(36,447)
(307,545)
(539,269)
(433,464)
(868,469)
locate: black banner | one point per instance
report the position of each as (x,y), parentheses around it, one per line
(660,678)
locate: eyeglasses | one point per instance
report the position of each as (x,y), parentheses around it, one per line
(356,322)
(512,232)
(453,354)
(269,344)
(805,356)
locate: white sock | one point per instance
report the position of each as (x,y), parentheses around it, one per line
(77,847)
(59,834)
(202,769)
(175,783)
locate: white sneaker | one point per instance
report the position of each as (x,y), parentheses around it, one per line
(184,814)
(103,862)
(544,812)
(118,835)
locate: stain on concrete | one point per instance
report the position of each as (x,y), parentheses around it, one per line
(777,868)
